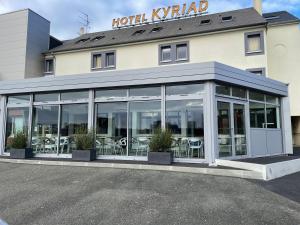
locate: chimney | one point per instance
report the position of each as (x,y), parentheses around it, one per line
(257,4)
(81,31)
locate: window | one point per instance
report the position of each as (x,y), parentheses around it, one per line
(156,29)
(46,97)
(254,43)
(74,95)
(238,92)
(181,52)
(49,66)
(185,89)
(173,53)
(103,60)
(145,92)
(223,90)
(227,18)
(110,94)
(97,61)
(204,22)
(110,60)
(258,71)
(97,38)
(138,32)
(18,99)
(166,54)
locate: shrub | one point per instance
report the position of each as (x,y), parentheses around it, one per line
(19,141)
(84,140)
(161,141)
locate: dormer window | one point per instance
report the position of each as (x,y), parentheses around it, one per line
(156,29)
(204,22)
(82,40)
(227,18)
(138,32)
(97,38)
(49,66)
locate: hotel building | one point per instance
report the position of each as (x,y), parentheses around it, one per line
(224,83)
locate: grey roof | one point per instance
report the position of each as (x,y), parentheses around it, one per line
(151,76)
(174,28)
(281,17)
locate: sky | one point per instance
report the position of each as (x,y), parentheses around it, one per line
(65,15)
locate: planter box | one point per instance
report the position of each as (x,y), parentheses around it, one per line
(84,155)
(160,158)
(21,153)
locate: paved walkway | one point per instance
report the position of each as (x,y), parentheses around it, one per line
(38,194)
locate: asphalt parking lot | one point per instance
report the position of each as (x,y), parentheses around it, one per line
(50,195)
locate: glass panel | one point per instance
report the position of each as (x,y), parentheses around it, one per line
(185,89)
(224,129)
(17,121)
(223,90)
(73,118)
(166,53)
(257,115)
(254,43)
(110,59)
(111,128)
(111,93)
(49,65)
(45,129)
(238,92)
(256,96)
(181,52)
(185,119)
(145,117)
(273,116)
(97,61)
(239,129)
(18,99)
(74,95)
(271,99)
(48,97)
(146,92)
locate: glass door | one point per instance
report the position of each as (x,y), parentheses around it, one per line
(231,129)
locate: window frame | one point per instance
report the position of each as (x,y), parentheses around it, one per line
(253,70)
(45,66)
(103,60)
(173,47)
(262,43)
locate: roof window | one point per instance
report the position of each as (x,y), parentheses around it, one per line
(156,29)
(203,22)
(138,32)
(227,18)
(272,17)
(82,40)
(97,38)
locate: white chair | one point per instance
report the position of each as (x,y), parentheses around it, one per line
(143,145)
(195,144)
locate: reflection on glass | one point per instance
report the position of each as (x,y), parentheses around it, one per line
(256,96)
(45,129)
(223,90)
(73,118)
(145,117)
(271,99)
(147,92)
(238,92)
(185,89)
(17,122)
(224,129)
(111,93)
(18,99)
(181,52)
(47,97)
(185,119)
(257,115)
(273,116)
(111,128)
(239,129)
(74,95)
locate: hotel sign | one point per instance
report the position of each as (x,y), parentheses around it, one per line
(163,13)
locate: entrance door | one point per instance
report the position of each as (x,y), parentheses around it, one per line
(231,129)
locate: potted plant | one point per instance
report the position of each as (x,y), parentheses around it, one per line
(160,148)
(19,148)
(84,143)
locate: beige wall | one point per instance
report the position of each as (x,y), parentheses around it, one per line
(227,48)
(283,46)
